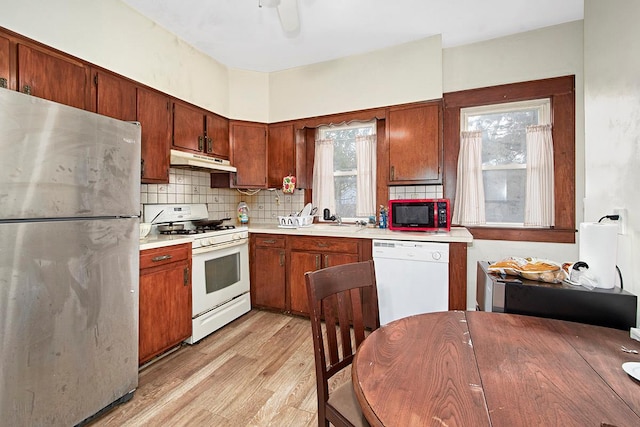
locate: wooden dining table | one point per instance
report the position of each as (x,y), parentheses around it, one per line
(460,368)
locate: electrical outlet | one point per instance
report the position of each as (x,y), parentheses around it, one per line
(622,220)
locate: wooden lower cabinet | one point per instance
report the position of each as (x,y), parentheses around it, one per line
(268,268)
(165,299)
(278,265)
(301,262)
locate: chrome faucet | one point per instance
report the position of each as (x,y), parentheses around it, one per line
(326,215)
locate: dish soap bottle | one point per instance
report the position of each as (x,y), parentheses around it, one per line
(243,213)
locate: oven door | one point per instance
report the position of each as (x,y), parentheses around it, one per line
(220,274)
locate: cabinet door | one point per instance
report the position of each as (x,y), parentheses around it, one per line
(415,145)
(268,286)
(188,128)
(217,143)
(281,154)
(165,309)
(249,143)
(4,62)
(114,97)
(154,115)
(300,263)
(330,260)
(52,77)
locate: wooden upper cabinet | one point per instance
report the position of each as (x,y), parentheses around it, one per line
(415,144)
(53,77)
(281,154)
(217,136)
(114,96)
(4,62)
(188,128)
(249,154)
(154,115)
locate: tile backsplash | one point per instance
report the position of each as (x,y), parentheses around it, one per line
(190,186)
(416,192)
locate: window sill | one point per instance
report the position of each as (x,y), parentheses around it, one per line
(553,235)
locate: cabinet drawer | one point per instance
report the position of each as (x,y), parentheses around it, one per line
(269,241)
(324,244)
(166,255)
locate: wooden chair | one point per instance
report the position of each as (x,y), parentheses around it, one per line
(346,297)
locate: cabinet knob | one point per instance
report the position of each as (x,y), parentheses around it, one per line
(161,258)
(141,168)
(281,258)
(209,145)
(3,82)
(393,173)
(200,143)
(317,262)
(26,89)
(187,276)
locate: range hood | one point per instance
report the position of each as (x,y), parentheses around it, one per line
(181,159)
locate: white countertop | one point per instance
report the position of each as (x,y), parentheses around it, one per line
(153,241)
(457,234)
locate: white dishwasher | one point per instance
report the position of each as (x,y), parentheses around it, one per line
(412,277)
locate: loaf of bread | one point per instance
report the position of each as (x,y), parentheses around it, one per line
(530,268)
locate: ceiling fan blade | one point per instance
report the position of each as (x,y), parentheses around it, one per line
(288,13)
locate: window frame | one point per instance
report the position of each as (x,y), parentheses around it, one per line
(561,92)
(542,105)
(322,130)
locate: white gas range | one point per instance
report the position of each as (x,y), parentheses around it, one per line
(220,264)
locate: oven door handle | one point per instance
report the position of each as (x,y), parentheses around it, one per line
(220,246)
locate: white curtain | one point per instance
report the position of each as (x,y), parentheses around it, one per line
(323,181)
(539,199)
(366,179)
(468,208)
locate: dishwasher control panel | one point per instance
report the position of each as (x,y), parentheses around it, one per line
(411,250)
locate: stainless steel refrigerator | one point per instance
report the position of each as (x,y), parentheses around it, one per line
(69,242)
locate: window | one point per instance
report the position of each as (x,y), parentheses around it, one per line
(344,169)
(561,93)
(504,154)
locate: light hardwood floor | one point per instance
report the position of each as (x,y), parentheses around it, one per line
(257,371)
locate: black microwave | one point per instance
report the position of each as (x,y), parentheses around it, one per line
(419,215)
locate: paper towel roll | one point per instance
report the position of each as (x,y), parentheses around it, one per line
(598,248)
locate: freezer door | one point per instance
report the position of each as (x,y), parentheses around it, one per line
(58,161)
(68,319)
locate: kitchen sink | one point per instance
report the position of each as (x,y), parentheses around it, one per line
(335,228)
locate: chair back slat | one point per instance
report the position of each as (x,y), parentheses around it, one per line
(343,300)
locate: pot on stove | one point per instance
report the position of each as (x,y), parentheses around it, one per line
(170,227)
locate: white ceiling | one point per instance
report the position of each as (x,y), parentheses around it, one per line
(242,35)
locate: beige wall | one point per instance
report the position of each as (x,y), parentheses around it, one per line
(405,73)
(248,95)
(612,117)
(110,34)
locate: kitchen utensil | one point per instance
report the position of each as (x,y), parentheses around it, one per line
(306,211)
(209,222)
(145,228)
(156,217)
